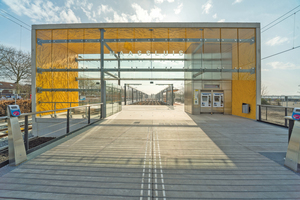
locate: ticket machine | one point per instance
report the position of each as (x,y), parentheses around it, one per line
(218,100)
(296,114)
(205,99)
(212,102)
(16,147)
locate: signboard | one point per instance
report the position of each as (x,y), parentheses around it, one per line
(196,94)
(82,98)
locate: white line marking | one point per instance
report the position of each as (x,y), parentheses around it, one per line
(160,166)
(143,175)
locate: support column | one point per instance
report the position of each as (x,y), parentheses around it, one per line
(103,83)
(124,94)
(132,96)
(167,96)
(172,102)
(119,73)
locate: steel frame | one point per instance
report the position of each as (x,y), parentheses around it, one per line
(102,26)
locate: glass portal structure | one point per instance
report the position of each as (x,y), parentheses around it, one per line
(218,62)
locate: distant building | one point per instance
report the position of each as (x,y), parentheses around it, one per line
(7,89)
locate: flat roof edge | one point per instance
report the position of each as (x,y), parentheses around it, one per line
(150,25)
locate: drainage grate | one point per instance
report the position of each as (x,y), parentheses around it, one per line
(136,122)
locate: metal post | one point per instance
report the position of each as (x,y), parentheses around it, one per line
(112,99)
(119,73)
(136,96)
(125,94)
(266,113)
(68,121)
(132,96)
(101,111)
(26,143)
(172,95)
(167,96)
(259,112)
(285,114)
(55,109)
(89,113)
(103,83)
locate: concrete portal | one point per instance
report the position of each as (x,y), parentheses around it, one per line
(159,151)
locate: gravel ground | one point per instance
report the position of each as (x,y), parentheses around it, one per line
(33,143)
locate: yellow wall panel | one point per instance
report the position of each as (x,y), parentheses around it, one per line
(244,91)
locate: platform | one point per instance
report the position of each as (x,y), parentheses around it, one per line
(149,152)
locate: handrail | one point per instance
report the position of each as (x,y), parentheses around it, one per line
(35,113)
(5,117)
(275,106)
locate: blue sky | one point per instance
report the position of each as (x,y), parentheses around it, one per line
(280,74)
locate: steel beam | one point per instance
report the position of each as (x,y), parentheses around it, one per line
(219,40)
(103,83)
(252,70)
(110,74)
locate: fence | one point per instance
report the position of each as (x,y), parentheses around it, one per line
(274,114)
(50,129)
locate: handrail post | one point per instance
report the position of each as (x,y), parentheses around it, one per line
(54,109)
(68,121)
(101,111)
(89,113)
(26,143)
(259,112)
(285,114)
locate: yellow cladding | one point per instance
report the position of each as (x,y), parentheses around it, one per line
(55,56)
(62,55)
(244,84)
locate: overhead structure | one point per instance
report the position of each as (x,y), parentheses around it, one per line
(218,62)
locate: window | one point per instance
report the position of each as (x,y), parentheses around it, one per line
(11,85)
(204,98)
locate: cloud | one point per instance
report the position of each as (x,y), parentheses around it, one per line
(221,20)
(178,9)
(69,16)
(69,3)
(237,1)
(89,6)
(142,15)
(43,11)
(276,41)
(88,14)
(215,16)
(281,65)
(207,6)
(161,1)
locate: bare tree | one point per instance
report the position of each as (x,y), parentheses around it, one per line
(264,90)
(14,64)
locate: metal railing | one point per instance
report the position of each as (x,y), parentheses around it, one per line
(61,124)
(274,114)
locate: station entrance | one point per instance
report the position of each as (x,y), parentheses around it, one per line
(216,65)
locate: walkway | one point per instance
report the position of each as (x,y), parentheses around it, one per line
(159,152)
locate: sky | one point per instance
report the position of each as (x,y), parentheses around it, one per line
(280,74)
